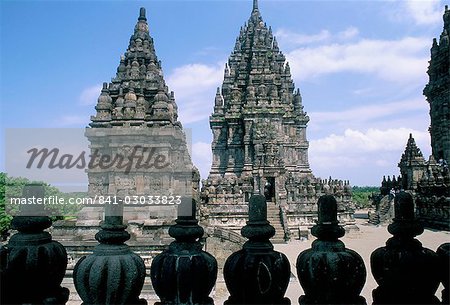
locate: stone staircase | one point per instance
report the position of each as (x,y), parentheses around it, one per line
(385,212)
(374,218)
(273,215)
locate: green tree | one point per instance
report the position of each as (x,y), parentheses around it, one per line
(361,196)
(5,219)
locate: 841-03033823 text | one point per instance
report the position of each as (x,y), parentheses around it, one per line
(143,200)
(138,200)
(99,199)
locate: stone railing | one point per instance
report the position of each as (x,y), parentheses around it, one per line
(32,265)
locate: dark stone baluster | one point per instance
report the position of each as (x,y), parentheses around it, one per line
(3,280)
(113,274)
(330,273)
(444,263)
(184,273)
(257,274)
(33,265)
(406,272)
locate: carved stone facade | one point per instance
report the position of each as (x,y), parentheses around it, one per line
(412,165)
(136,124)
(259,140)
(437,92)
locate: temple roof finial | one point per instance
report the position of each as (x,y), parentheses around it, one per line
(255,5)
(446,17)
(142,14)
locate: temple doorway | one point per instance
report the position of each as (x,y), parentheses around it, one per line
(269,188)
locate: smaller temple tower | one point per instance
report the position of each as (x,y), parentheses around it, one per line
(412,165)
(140,152)
(437,92)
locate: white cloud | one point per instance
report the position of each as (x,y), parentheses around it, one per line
(202,157)
(348,33)
(363,156)
(421,12)
(195,88)
(373,140)
(89,95)
(368,113)
(289,37)
(401,61)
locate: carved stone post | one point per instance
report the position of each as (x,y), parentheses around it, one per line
(257,274)
(184,273)
(113,274)
(33,266)
(406,272)
(329,272)
(444,263)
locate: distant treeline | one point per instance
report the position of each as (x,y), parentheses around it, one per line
(361,195)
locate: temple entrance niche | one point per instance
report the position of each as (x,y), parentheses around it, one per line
(269,189)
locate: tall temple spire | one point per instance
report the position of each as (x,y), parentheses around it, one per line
(257,70)
(258,87)
(259,136)
(437,92)
(139,72)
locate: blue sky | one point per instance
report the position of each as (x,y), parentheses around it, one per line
(360,66)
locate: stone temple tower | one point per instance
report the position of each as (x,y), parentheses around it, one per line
(258,121)
(259,138)
(136,125)
(437,92)
(412,165)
